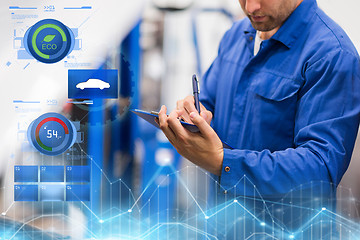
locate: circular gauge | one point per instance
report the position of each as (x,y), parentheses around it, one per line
(49,41)
(51,134)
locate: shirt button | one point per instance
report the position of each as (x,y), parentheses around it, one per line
(251,38)
(227,169)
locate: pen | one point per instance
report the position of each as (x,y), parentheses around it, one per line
(196,91)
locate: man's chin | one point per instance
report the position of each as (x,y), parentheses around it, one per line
(263,27)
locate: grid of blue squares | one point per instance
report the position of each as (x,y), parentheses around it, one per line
(51,183)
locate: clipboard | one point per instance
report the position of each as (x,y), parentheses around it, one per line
(151,116)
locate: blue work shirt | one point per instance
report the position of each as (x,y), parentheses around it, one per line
(292,111)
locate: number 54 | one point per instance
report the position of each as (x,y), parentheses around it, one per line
(51,133)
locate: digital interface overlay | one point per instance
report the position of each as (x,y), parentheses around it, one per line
(52,186)
(51,134)
(49,41)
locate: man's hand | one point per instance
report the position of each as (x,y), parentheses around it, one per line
(187,105)
(203,148)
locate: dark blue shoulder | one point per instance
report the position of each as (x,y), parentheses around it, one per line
(334,36)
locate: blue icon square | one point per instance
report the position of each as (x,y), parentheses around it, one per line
(52,192)
(92,84)
(25,173)
(51,173)
(26,193)
(77,193)
(77,174)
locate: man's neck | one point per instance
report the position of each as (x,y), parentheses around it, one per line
(268,34)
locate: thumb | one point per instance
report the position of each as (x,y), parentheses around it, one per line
(207,115)
(201,123)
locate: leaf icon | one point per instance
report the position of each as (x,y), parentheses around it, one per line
(48,38)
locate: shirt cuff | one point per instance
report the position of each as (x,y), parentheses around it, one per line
(230,171)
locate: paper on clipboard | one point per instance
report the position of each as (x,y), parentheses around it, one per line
(151,116)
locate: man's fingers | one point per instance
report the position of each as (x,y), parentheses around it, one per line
(180,104)
(189,106)
(190,99)
(207,115)
(175,125)
(184,115)
(200,122)
(162,111)
(163,123)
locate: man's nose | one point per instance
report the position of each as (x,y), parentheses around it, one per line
(251,6)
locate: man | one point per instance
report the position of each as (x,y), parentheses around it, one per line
(284,92)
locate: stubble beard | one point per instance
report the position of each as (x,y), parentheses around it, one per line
(273,21)
(269,25)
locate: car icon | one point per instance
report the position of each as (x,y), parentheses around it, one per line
(93,83)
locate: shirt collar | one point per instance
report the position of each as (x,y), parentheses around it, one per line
(294,25)
(249,30)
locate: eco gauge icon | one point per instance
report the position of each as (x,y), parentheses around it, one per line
(49,41)
(51,134)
